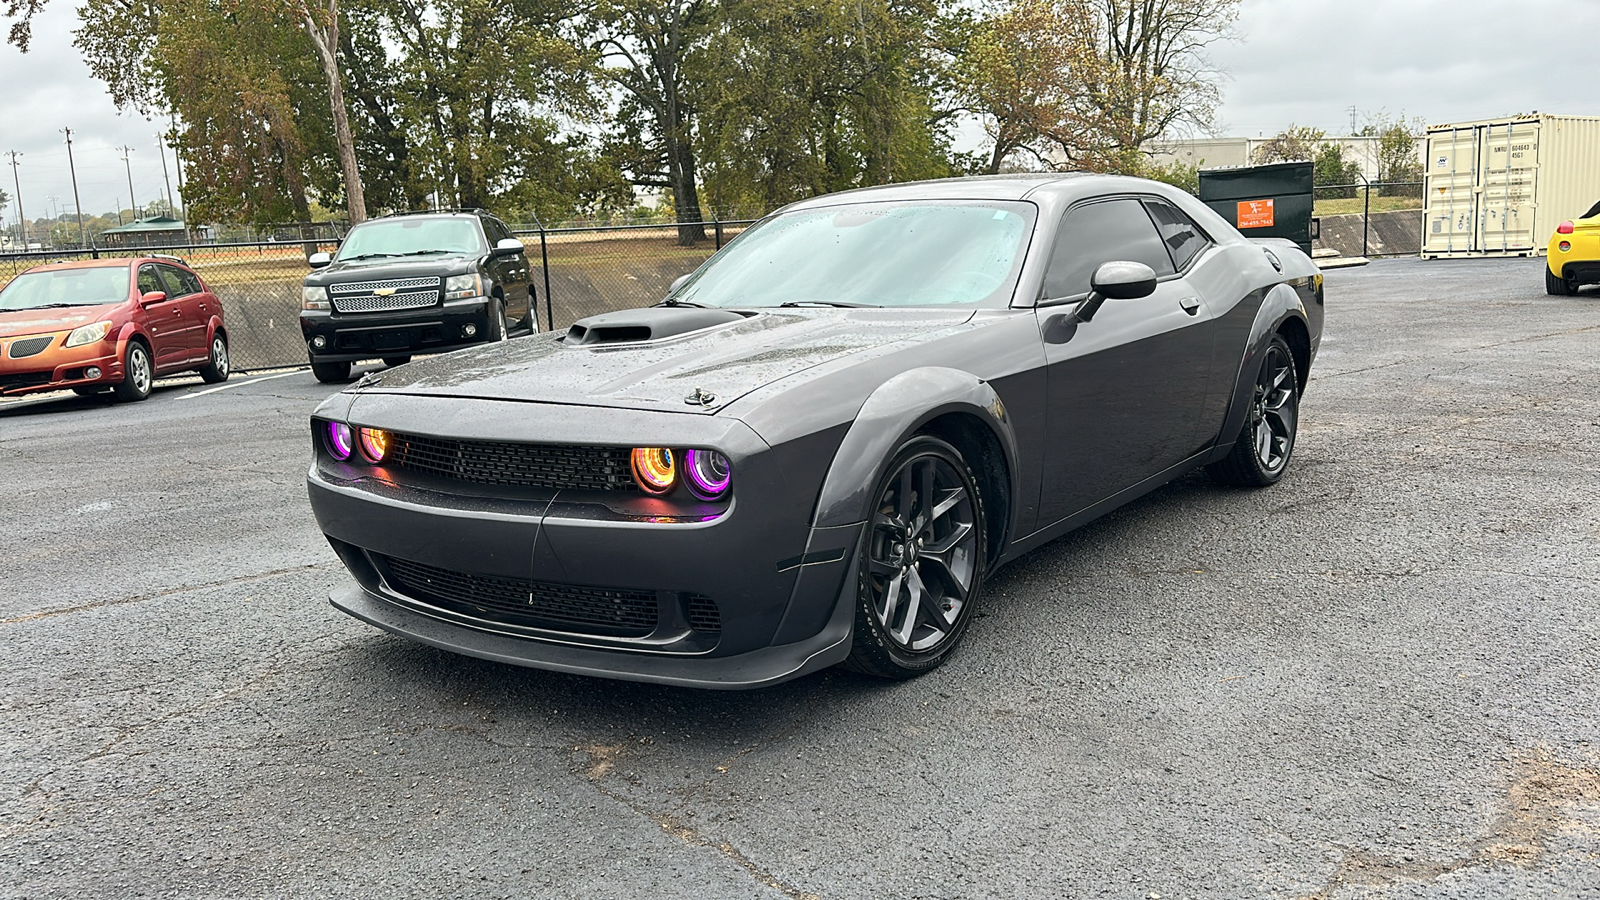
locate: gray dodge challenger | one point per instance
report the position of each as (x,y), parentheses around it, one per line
(817,447)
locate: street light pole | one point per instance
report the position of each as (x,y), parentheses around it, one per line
(22,217)
(132,203)
(83,236)
(161,145)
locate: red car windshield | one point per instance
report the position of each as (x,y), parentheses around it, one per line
(66,287)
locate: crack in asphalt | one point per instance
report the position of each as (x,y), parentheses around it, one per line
(156,595)
(600,762)
(1541,792)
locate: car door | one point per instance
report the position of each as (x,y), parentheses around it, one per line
(163,320)
(1126,390)
(192,310)
(512,272)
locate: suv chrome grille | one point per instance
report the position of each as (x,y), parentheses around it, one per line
(552,466)
(533,604)
(30,346)
(404,293)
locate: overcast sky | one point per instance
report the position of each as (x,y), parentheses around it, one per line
(1304,62)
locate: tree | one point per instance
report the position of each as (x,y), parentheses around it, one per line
(322,26)
(1399,166)
(1295,143)
(650,49)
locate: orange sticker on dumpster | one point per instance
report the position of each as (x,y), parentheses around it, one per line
(1255,214)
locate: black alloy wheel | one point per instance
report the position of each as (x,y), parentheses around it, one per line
(216,369)
(922,561)
(137,374)
(1262,451)
(392,361)
(330,372)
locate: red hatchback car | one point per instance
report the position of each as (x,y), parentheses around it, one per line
(111,324)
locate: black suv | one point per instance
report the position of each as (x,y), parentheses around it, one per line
(415,283)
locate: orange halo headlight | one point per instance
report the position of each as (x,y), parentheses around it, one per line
(654,469)
(374,444)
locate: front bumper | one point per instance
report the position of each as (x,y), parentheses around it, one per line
(781,590)
(348,337)
(58,367)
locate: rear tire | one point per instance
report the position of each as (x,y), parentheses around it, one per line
(920,562)
(1557,287)
(1261,453)
(331,372)
(137,374)
(216,369)
(392,361)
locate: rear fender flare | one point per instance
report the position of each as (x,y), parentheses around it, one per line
(1281,304)
(894,412)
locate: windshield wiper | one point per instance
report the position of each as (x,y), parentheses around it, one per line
(674,301)
(61,305)
(423,252)
(796,304)
(367,256)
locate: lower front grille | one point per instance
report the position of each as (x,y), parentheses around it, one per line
(30,346)
(26,379)
(527,603)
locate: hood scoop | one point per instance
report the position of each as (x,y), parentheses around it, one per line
(650,324)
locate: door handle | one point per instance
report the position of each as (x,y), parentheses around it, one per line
(1191,305)
(177,312)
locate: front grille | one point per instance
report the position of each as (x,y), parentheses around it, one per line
(25,379)
(367,287)
(30,346)
(704,615)
(372,303)
(514,601)
(552,466)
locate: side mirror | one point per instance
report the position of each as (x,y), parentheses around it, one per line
(1119,280)
(678,282)
(318,260)
(508,247)
(152,297)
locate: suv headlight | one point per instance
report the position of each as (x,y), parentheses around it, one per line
(314,298)
(460,287)
(88,334)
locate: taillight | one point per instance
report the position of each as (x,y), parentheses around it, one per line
(1565,246)
(1564,228)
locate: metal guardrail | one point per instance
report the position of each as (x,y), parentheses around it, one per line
(583,271)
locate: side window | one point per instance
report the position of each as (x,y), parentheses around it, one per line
(191,282)
(174,282)
(149,280)
(1099,233)
(498,231)
(1182,237)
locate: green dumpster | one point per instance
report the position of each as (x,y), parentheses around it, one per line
(1273,200)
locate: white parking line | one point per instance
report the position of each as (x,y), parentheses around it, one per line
(241,384)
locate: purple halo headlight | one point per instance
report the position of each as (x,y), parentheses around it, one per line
(710,473)
(340,442)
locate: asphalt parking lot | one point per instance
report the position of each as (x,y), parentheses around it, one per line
(1377,679)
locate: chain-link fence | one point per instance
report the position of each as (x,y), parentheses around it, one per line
(1376,219)
(577,272)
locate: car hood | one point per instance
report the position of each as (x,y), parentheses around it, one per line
(725,361)
(385,269)
(18,322)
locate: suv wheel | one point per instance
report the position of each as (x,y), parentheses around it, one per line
(329,372)
(497,321)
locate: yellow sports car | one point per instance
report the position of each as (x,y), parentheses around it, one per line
(1574,258)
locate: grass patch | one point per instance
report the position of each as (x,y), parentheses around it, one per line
(1353,205)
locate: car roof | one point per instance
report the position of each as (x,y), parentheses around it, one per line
(107,263)
(1021,186)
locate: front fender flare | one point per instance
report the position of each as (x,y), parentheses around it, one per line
(895,411)
(1280,305)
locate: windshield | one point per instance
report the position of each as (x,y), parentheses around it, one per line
(942,253)
(417,236)
(67,287)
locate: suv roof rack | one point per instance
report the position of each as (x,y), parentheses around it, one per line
(177,259)
(443,209)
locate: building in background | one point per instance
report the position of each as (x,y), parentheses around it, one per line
(155,231)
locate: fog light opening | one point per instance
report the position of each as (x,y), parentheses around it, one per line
(1565,246)
(319,342)
(469,329)
(91,373)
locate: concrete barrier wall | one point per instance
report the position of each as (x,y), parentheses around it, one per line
(1396,233)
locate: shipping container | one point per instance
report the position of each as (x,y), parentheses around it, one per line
(1500,187)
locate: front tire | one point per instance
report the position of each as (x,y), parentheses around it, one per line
(1261,453)
(921,562)
(392,361)
(497,321)
(1558,287)
(216,369)
(331,372)
(137,374)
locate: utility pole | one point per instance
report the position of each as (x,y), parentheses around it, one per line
(55,219)
(161,146)
(1352,120)
(132,203)
(83,236)
(22,218)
